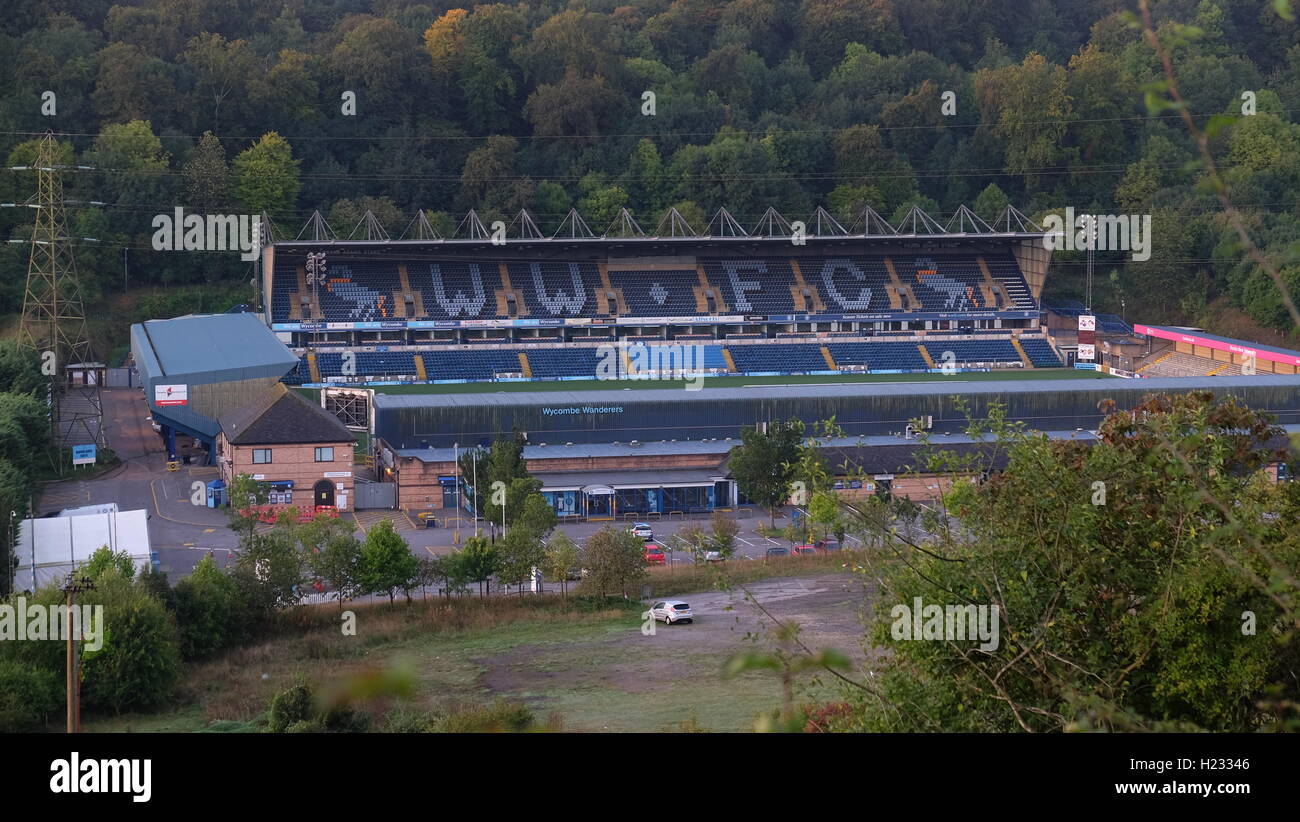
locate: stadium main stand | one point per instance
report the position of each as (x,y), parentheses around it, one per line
(896,299)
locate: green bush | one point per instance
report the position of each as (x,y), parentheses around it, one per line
(139,662)
(496,717)
(290,707)
(205,604)
(28,695)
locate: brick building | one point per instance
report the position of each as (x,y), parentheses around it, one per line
(301,451)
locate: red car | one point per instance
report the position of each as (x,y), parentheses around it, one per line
(654,555)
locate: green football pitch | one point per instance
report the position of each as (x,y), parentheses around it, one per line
(1038,374)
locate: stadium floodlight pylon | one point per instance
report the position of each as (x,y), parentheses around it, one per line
(677,225)
(873,225)
(423,228)
(724,225)
(473,227)
(374,229)
(528,229)
(1011,221)
(824,225)
(317,229)
(965,221)
(573,227)
(917,223)
(624,225)
(772,224)
(54,317)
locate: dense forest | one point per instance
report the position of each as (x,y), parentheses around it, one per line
(242,106)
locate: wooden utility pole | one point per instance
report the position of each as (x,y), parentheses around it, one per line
(74,586)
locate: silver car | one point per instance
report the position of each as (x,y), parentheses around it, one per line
(643,530)
(672,610)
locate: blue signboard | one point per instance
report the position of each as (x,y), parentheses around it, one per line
(83,455)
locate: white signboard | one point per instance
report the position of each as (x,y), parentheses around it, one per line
(171,395)
(1087,322)
(1087,353)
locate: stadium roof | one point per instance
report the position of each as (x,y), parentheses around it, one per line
(942,388)
(722,226)
(1198,337)
(220,346)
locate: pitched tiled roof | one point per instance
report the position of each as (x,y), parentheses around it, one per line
(283,417)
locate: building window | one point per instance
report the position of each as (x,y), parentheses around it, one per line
(325,454)
(261,456)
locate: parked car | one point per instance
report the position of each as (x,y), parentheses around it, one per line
(713,556)
(643,530)
(804,550)
(825,545)
(778,552)
(672,610)
(654,555)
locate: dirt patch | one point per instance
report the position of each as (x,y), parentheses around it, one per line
(827,608)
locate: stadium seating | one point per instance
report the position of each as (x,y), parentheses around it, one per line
(753,286)
(558,289)
(975,351)
(365,291)
(879,356)
(482,364)
(658,293)
(1040,352)
(553,363)
(777,357)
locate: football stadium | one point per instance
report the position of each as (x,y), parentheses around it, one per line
(433,345)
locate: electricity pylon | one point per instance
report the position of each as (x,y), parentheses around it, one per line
(54,319)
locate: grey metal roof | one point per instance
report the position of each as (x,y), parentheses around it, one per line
(573,480)
(588,450)
(941,388)
(215,343)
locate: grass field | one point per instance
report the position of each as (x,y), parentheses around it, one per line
(1034,374)
(586,667)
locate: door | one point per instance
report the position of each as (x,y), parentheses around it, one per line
(323,493)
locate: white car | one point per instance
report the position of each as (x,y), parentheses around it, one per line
(713,556)
(671,610)
(642,530)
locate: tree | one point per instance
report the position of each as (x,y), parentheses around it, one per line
(387,564)
(246,496)
(139,663)
(615,561)
(1121,573)
(20,369)
(207,177)
(105,558)
(521,551)
(561,559)
(206,604)
(476,562)
(266,177)
(764,464)
(337,565)
(270,570)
